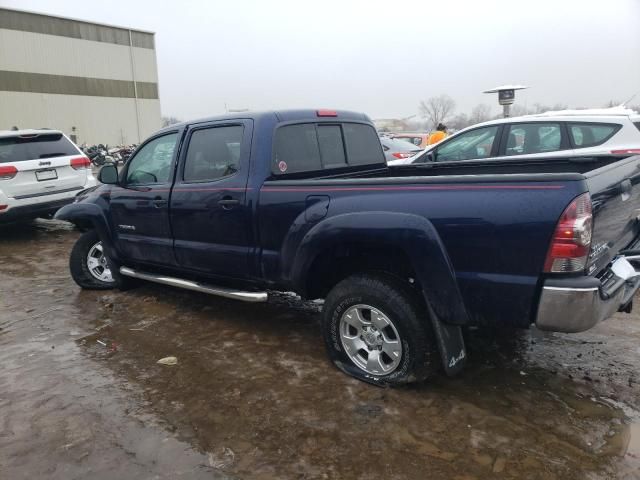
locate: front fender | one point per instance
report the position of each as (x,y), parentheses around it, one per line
(82,214)
(415,235)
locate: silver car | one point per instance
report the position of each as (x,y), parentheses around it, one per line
(398,149)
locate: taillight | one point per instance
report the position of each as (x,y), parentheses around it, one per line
(7,173)
(326,113)
(80,162)
(626,151)
(571,240)
(403,154)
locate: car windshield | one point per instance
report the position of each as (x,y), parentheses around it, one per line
(398,145)
(416,141)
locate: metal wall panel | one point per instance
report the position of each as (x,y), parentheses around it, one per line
(38,53)
(37,23)
(145,65)
(105,120)
(67,85)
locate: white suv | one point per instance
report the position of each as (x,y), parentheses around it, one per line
(575,134)
(40,171)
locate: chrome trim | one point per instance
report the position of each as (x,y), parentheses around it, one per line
(252,297)
(563,289)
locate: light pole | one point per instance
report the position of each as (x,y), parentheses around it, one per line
(506,96)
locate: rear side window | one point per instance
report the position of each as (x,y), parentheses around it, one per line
(311,147)
(213,153)
(591,134)
(529,138)
(637,124)
(363,144)
(19,149)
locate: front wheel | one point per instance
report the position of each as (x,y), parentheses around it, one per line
(89,265)
(376,329)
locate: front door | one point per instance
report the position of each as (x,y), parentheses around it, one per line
(210,215)
(140,205)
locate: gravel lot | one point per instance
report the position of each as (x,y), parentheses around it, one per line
(253,395)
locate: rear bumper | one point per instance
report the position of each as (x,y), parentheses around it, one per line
(34,210)
(577,304)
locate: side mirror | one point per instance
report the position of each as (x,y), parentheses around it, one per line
(431,156)
(108,174)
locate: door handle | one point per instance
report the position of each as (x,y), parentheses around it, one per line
(159,202)
(228,202)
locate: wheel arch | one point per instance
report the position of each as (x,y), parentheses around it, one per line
(404,245)
(89,216)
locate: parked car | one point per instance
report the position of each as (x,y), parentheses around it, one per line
(582,134)
(418,139)
(398,149)
(40,171)
(403,258)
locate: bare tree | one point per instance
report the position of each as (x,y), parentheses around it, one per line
(459,121)
(480,113)
(437,109)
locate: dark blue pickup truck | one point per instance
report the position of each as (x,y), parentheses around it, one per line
(404,258)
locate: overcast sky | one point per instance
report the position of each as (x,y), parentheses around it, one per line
(378,57)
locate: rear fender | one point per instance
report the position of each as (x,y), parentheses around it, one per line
(415,235)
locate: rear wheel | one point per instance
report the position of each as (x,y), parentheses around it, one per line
(376,329)
(90,268)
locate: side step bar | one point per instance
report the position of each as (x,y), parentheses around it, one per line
(252,297)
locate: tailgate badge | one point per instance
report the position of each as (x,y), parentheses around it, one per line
(42,164)
(127,227)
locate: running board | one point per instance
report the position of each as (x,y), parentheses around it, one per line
(252,297)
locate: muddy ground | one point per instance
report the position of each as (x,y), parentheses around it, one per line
(253,395)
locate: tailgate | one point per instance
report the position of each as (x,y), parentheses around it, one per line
(615,195)
(43,162)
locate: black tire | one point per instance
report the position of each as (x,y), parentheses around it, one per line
(80,270)
(420,358)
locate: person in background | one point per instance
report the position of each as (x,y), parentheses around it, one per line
(439,135)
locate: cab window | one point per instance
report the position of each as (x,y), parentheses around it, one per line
(309,147)
(475,144)
(152,163)
(529,138)
(213,153)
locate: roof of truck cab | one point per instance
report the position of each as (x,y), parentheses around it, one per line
(280,115)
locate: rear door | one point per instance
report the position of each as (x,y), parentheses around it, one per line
(210,217)
(535,140)
(44,165)
(140,204)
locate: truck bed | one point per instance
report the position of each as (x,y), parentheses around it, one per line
(495,221)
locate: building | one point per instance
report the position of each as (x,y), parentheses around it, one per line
(97,83)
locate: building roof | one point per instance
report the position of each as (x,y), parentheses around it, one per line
(90,22)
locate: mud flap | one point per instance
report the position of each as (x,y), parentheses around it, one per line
(450,345)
